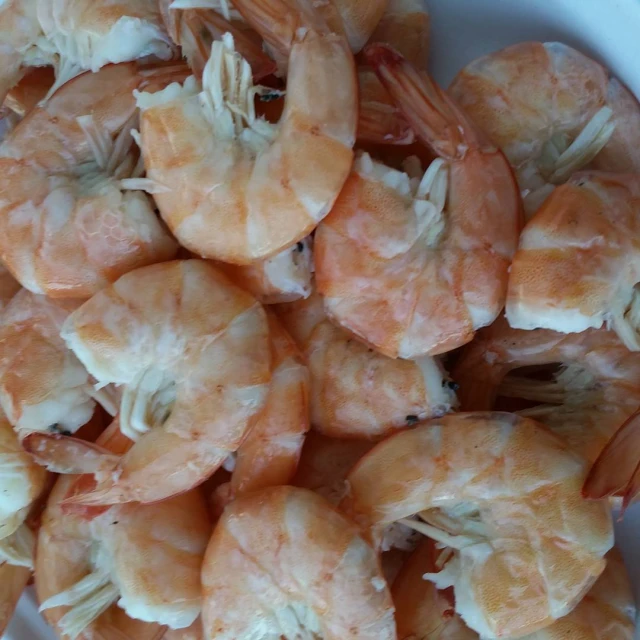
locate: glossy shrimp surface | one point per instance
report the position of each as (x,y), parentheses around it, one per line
(68,225)
(578,263)
(192,353)
(108,573)
(43,386)
(553,111)
(504,492)
(217,166)
(412,268)
(269,454)
(282,563)
(593,388)
(355,391)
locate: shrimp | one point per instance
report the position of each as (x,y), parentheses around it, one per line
(193,26)
(89,560)
(616,471)
(422,612)
(419,275)
(595,389)
(552,111)
(192,351)
(21,483)
(284,278)
(282,563)
(83,35)
(575,267)
(262,187)
(504,493)
(43,386)
(270,452)
(355,391)
(68,226)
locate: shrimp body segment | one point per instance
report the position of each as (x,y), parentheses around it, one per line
(43,386)
(68,225)
(415,268)
(232,186)
(502,491)
(596,388)
(578,262)
(192,351)
(282,563)
(143,558)
(355,391)
(269,454)
(552,111)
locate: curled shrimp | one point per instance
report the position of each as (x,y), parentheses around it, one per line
(270,452)
(553,111)
(593,389)
(285,277)
(192,351)
(193,26)
(504,493)
(576,266)
(100,572)
(355,391)
(82,35)
(263,187)
(69,225)
(419,275)
(43,386)
(21,483)
(283,563)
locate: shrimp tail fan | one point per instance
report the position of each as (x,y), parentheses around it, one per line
(616,472)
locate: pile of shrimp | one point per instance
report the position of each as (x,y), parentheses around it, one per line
(296,344)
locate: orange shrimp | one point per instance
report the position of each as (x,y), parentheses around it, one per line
(282,562)
(419,275)
(192,351)
(270,452)
(69,226)
(596,388)
(356,392)
(576,266)
(263,187)
(504,493)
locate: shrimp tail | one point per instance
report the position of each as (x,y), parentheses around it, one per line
(381,124)
(63,454)
(434,117)
(204,26)
(616,472)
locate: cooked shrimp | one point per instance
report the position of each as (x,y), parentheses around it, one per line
(595,389)
(607,612)
(193,26)
(284,278)
(83,35)
(552,111)
(577,264)
(504,493)
(261,187)
(87,562)
(419,275)
(43,386)
(282,563)
(68,226)
(355,391)
(270,452)
(192,351)
(616,472)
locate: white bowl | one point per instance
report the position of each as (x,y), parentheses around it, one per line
(462,30)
